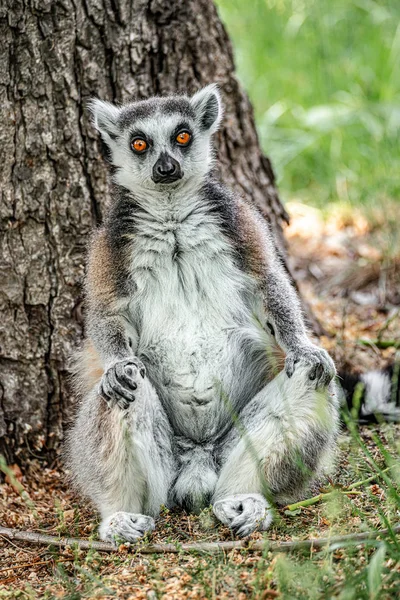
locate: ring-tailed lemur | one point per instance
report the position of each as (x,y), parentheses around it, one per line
(188,306)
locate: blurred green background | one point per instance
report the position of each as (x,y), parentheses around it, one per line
(324,79)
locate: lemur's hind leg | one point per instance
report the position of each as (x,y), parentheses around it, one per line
(283,439)
(122,457)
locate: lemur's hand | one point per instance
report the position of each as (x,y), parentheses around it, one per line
(120,380)
(321,366)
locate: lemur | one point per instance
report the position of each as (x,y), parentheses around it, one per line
(189,310)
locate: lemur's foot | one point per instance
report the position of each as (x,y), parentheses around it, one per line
(244,513)
(125,526)
(121,380)
(320,366)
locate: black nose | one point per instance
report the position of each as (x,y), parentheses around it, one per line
(166,169)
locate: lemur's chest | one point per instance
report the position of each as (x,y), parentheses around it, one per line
(187,280)
(191,304)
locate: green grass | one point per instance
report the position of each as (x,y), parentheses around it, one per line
(324,78)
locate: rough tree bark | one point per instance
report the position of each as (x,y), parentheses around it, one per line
(55,55)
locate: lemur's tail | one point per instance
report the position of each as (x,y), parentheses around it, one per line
(373,396)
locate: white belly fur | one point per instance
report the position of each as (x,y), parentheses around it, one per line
(193,312)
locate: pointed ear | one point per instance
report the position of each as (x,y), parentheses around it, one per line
(208,107)
(105,118)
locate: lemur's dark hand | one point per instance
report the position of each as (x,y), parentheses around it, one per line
(321,367)
(120,381)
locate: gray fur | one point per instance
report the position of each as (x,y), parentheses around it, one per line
(205,418)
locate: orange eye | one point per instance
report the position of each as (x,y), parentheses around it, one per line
(139,145)
(183,138)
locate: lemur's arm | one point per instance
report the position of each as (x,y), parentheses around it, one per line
(283,309)
(106,325)
(109,337)
(112,335)
(281,302)
(285,315)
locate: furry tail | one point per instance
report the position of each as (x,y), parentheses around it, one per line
(373,396)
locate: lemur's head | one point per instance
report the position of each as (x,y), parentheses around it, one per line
(160,142)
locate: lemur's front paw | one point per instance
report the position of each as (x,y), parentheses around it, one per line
(120,381)
(321,368)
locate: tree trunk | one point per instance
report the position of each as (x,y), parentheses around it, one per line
(55,55)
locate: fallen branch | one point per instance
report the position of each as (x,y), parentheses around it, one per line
(40,538)
(251,546)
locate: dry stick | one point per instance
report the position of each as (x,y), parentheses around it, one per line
(40,538)
(256,546)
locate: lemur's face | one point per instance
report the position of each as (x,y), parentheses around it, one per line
(162,142)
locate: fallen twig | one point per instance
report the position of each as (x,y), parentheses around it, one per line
(40,538)
(251,546)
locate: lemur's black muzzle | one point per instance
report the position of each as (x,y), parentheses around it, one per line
(166,169)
